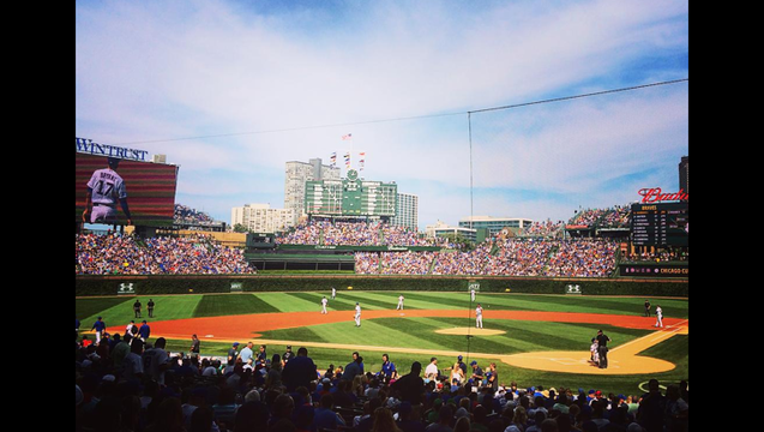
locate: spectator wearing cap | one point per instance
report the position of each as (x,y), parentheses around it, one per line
(145,331)
(99,326)
(477,373)
(233,353)
(462,365)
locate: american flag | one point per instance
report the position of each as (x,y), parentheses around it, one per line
(347,137)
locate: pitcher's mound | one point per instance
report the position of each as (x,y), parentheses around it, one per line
(464,331)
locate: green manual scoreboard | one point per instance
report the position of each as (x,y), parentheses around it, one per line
(350,197)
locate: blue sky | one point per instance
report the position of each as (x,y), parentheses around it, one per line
(150,73)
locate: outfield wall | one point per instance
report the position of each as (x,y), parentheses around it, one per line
(88,285)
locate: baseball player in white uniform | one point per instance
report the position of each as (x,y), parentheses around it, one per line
(324,301)
(659,315)
(472,294)
(357,315)
(105,188)
(479,316)
(334,292)
(400,303)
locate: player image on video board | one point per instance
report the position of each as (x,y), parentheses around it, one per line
(118,191)
(105,189)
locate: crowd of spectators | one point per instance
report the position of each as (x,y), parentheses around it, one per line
(394,263)
(518,257)
(617,217)
(663,254)
(614,217)
(360,233)
(546,229)
(131,385)
(496,257)
(587,218)
(125,254)
(583,258)
(184,214)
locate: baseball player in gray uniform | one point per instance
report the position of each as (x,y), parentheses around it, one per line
(105,188)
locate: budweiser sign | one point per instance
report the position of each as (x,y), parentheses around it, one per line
(653,195)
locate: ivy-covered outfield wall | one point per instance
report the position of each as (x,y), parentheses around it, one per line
(144,285)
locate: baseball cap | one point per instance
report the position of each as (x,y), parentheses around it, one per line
(460,357)
(236,344)
(289,346)
(109,378)
(473,363)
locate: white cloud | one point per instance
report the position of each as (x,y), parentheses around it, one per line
(157,71)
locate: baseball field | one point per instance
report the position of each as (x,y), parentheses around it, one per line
(533,339)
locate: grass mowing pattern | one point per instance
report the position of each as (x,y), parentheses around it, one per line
(521,336)
(88,309)
(366,301)
(549,303)
(285,302)
(453,301)
(119,313)
(231,304)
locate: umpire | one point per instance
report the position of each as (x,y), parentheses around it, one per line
(602,339)
(137,308)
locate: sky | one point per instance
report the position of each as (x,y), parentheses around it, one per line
(232,90)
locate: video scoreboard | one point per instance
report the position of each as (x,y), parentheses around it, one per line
(664,224)
(350,197)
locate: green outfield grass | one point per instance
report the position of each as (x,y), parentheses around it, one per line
(520,336)
(116,310)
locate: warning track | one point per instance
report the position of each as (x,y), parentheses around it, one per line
(623,359)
